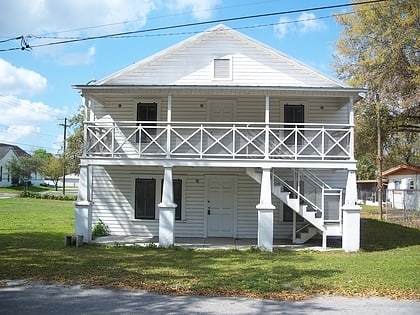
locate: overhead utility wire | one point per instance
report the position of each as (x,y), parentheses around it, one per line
(26,46)
(149,18)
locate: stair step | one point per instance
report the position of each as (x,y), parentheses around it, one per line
(304,236)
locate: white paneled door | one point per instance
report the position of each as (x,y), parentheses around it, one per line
(220,206)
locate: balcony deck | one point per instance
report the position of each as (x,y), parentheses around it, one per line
(217,140)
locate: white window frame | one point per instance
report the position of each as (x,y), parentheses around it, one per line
(158,192)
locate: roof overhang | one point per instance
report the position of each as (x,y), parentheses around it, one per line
(234,90)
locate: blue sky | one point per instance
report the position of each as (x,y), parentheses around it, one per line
(36,84)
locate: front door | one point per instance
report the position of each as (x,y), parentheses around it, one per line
(221,111)
(293,114)
(220,206)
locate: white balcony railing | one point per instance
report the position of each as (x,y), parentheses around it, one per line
(208,140)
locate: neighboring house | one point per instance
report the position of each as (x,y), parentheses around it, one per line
(403,190)
(220,136)
(9,152)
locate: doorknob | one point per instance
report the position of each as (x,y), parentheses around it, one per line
(208,211)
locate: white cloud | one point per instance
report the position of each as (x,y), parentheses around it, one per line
(308,23)
(200,9)
(53,21)
(23,17)
(283,27)
(16,81)
(305,23)
(22,118)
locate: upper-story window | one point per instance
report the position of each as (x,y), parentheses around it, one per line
(410,183)
(147,113)
(222,68)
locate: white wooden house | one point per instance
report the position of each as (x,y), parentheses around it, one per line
(219,136)
(9,152)
(403,191)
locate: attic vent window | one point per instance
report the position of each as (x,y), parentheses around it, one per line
(222,68)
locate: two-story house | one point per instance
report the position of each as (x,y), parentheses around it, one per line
(219,136)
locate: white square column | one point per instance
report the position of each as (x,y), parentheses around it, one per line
(351,216)
(83,220)
(167,211)
(265,213)
(83,206)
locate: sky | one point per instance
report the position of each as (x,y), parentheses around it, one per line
(36,93)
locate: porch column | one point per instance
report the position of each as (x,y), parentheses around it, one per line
(168,127)
(83,206)
(265,213)
(351,216)
(351,122)
(167,211)
(267,127)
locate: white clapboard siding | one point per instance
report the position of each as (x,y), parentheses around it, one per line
(191,63)
(113,193)
(246,109)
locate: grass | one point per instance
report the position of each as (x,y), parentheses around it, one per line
(32,247)
(18,189)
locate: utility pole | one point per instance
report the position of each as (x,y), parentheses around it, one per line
(64,154)
(379,156)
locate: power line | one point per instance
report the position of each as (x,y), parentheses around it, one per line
(25,46)
(151,18)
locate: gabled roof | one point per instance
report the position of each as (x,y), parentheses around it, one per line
(189,63)
(402,170)
(6,148)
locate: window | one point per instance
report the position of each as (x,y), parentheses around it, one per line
(293,114)
(410,183)
(145,198)
(145,201)
(222,69)
(177,187)
(147,112)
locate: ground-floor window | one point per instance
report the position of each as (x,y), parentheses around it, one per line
(145,198)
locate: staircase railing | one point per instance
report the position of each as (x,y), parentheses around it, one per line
(299,196)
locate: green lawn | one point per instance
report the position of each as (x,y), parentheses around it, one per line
(32,247)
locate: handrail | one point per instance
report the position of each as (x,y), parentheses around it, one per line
(298,194)
(236,140)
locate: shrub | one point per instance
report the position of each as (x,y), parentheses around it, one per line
(100,229)
(29,194)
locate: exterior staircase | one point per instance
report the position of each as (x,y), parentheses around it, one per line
(312,213)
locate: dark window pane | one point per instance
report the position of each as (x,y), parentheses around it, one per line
(293,114)
(177,191)
(145,199)
(147,112)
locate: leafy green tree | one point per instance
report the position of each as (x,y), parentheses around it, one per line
(74,143)
(379,50)
(23,167)
(53,169)
(42,154)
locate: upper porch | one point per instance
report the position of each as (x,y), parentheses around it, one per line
(219,127)
(217,141)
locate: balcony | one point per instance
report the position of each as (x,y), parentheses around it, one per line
(215,140)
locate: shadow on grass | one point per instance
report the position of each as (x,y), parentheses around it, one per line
(378,235)
(43,256)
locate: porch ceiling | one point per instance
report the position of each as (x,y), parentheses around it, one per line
(134,90)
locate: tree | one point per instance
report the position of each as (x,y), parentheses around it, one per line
(23,167)
(379,50)
(75,143)
(42,154)
(53,169)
